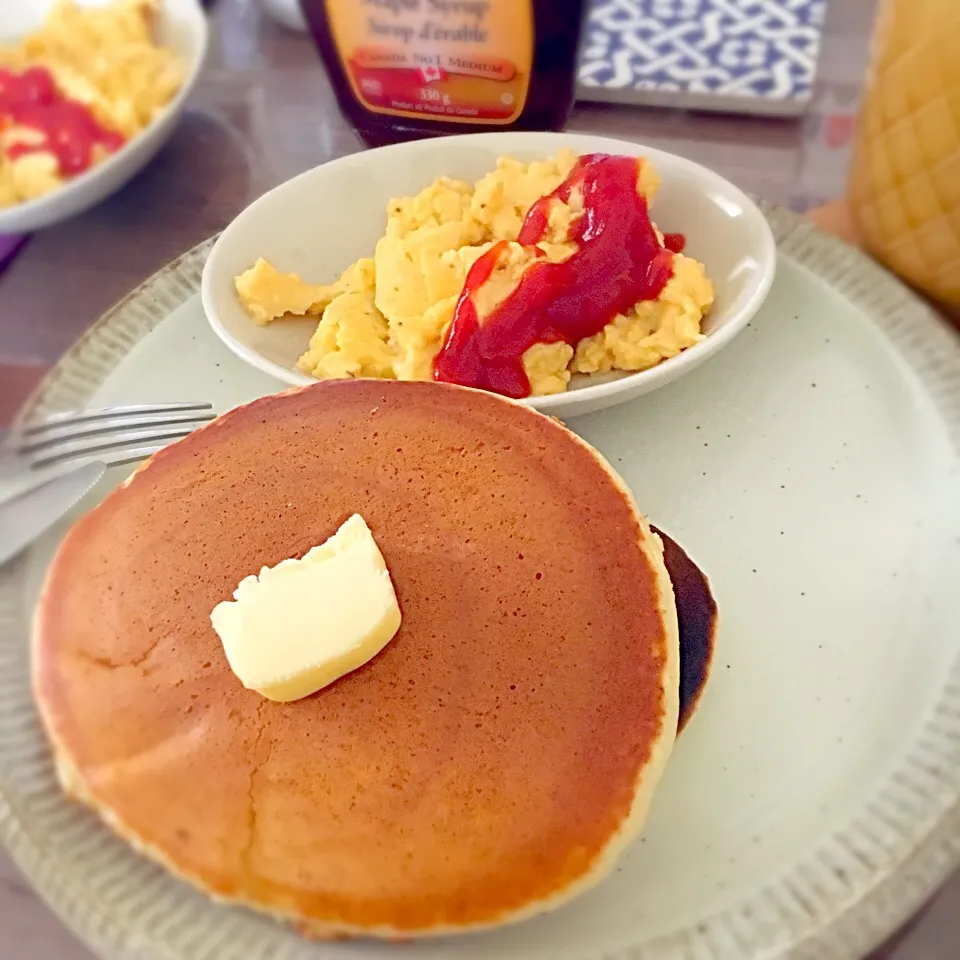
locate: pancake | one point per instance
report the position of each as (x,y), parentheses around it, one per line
(697,620)
(488,765)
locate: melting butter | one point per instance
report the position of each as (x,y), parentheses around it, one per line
(298,626)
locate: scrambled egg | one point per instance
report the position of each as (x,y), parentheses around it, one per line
(103,57)
(388,316)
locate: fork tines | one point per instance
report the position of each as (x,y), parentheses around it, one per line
(111,434)
(71,417)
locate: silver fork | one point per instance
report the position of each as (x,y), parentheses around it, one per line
(37,453)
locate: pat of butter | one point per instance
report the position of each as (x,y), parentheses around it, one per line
(304,623)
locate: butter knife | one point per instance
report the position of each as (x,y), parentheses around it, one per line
(27,516)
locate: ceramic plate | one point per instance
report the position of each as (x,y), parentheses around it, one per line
(299,227)
(812,804)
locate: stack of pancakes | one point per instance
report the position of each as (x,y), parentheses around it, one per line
(491,763)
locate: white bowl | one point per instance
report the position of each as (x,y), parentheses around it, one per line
(321,221)
(182,27)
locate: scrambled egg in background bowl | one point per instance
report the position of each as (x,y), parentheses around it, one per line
(103,58)
(387,316)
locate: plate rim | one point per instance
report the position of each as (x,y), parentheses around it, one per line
(897,887)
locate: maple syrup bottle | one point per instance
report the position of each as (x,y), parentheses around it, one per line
(404,69)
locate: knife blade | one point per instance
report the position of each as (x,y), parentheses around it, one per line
(27,516)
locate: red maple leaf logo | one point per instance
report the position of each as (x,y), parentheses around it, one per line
(432,74)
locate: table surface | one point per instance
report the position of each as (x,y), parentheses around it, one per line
(263,112)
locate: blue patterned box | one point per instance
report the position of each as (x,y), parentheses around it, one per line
(745,56)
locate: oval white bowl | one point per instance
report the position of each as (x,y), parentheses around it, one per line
(182,27)
(321,221)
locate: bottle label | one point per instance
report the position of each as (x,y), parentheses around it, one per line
(459,61)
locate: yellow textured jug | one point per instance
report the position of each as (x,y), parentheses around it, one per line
(905,177)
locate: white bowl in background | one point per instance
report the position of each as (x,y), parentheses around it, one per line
(182,27)
(318,223)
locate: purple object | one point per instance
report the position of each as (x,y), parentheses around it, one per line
(10,246)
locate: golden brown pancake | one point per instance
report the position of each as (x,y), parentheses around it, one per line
(488,765)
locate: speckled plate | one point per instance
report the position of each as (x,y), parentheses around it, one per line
(813,469)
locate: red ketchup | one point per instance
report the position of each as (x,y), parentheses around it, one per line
(674,242)
(70,131)
(619,261)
